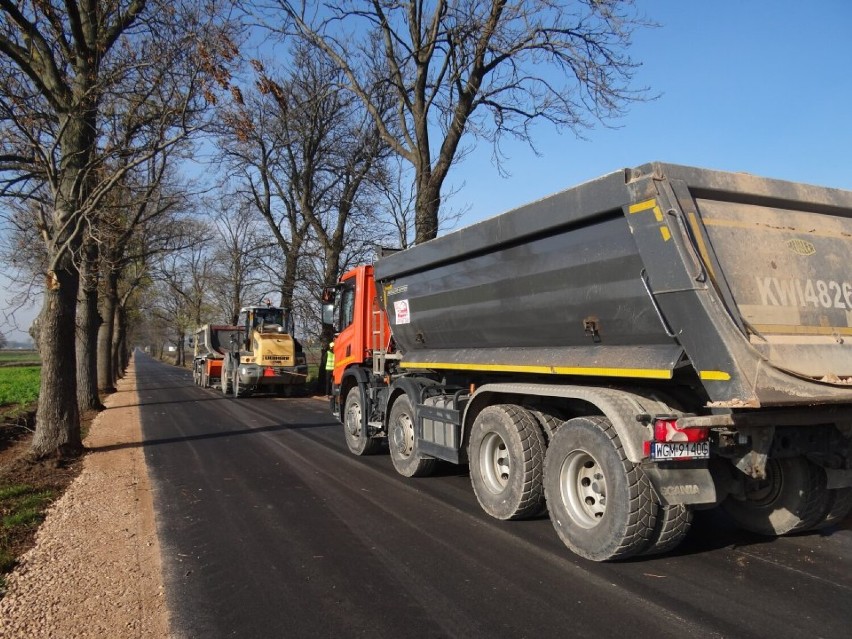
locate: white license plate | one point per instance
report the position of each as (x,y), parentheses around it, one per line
(680,450)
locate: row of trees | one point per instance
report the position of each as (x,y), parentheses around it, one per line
(338,131)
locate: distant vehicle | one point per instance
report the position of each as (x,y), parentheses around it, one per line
(659,339)
(263,357)
(210,344)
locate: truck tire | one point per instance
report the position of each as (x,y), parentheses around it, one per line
(839,507)
(402,444)
(673,522)
(225,382)
(601,504)
(357,440)
(549,420)
(506,454)
(793,498)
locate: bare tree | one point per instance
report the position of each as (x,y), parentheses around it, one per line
(396,200)
(240,250)
(181,280)
(3,341)
(301,150)
(485,68)
(60,66)
(142,221)
(255,147)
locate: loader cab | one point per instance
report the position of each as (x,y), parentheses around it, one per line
(263,319)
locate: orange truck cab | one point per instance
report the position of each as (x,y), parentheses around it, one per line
(361,327)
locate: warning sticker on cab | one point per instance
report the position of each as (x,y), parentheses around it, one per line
(403,315)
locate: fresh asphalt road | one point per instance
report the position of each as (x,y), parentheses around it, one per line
(269,527)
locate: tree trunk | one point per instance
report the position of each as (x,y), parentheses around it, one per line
(426,213)
(121,353)
(288,280)
(179,353)
(88,322)
(57,431)
(106,371)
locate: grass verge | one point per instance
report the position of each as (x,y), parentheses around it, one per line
(27,489)
(22,509)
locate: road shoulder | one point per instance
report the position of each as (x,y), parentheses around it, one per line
(95,570)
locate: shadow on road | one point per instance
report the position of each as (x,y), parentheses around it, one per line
(189,400)
(227,433)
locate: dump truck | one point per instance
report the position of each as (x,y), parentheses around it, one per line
(264,357)
(618,355)
(211,343)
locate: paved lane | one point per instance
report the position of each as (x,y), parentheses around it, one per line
(270,528)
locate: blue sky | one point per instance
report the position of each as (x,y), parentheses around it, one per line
(763,87)
(758,86)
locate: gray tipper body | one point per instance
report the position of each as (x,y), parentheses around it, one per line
(723,287)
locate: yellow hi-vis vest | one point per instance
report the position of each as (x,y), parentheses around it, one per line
(329,358)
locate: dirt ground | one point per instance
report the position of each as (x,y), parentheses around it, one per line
(95,568)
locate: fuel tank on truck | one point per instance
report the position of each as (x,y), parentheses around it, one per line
(739,283)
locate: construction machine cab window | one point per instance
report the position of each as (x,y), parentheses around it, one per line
(266,320)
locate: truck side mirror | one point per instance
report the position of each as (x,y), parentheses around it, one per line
(328,296)
(328,314)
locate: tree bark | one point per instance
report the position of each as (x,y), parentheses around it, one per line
(106,372)
(427,206)
(88,321)
(57,431)
(120,351)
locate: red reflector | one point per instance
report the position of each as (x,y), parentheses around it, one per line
(269,372)
(667,430)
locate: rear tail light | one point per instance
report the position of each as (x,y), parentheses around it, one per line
(674,443)
(667,430)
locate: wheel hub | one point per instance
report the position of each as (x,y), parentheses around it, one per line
(402,436)
(583,488)
(764,492)
(353,420)
(494,463)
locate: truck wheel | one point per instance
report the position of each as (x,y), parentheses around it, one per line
(601,504)
(224,381)
(405,458)
(673,522)
(791,499)
(357,440)
(235,384)
(549,420)
(506,453)
(839,507)
(204,383)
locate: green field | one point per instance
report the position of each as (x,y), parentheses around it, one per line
(16,357)
(19,384)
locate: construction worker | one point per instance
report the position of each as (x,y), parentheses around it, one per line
(329,366)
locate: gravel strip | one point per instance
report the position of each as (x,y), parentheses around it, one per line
(95,569)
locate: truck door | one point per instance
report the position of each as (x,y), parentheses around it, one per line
(345,344)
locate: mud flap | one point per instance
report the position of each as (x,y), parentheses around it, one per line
(681,483)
